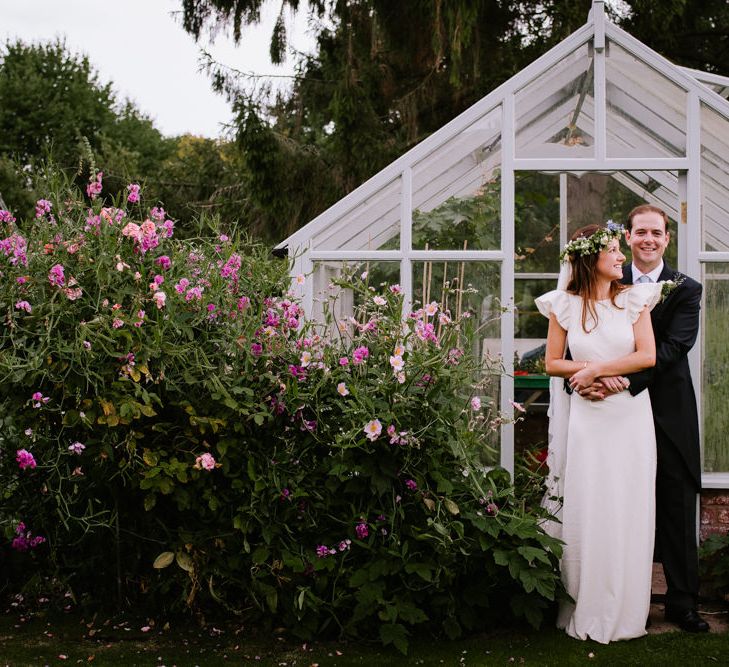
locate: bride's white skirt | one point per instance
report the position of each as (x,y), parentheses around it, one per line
(608,517)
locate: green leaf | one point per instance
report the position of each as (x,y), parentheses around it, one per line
(421,569)
(184,561)
(396,634)
(531,553)
(452,628)
(260,555)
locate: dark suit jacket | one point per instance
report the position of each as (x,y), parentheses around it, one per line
(675,326)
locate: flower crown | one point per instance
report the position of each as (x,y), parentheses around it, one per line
(589,245)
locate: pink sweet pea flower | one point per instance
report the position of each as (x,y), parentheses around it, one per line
(25,459)
(56,275)
(24,305)
(133,196)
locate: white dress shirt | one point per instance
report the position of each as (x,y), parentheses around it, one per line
(652,275)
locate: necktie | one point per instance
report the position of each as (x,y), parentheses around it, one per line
(644,279)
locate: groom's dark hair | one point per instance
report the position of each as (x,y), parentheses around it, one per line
(647,208)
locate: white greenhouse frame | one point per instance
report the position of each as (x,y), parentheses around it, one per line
(703,229)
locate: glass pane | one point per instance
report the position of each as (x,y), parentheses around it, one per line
(457,190)
(646,112)
(470,290)
(555,113)
(372,225)
(530,326)
(597,198)
(714,180)
(715,390)
(343,302)
(536,220)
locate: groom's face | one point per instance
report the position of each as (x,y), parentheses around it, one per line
(648,240)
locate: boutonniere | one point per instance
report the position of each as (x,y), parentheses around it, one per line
(668,286)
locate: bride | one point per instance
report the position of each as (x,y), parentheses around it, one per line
(602,454)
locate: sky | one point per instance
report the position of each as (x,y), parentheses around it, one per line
(142,49)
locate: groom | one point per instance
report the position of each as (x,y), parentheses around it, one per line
(678,477)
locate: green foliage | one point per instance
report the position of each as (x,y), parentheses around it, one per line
(714,561)
(230,456)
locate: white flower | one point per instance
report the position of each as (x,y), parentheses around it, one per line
(373,429)
(379,301)
(443,318)
(400,378)
(399,350)
(364,275)
(342,389)
(300,279)
(397,363)
(475,404)
(305,358)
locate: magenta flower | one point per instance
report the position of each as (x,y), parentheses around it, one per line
(182,286)
(133,196)
(25,459)
(362,530)
(243,303)
(411,484)
(194,293)
(360,354)
(343,361)
(94,187)
(157,213)
(117,323)
(56,275)
(6,216)
(24,540)
(322,551)
(231,268)
(163,261)
(42,206)
(167,228)
(87,345)
(39,400)
(256,349)
(23,305)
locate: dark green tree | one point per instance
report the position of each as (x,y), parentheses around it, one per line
(386,74)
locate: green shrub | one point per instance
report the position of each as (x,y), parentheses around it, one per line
(178,436)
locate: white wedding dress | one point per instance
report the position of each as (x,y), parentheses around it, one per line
(607,479)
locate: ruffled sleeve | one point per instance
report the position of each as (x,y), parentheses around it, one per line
(642,296)
(557,302)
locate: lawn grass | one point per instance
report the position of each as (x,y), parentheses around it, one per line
(43,638)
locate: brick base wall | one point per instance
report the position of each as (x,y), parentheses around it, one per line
(714,513)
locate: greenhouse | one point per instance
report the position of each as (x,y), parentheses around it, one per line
(596,126)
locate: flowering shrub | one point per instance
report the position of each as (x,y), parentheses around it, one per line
(163,402)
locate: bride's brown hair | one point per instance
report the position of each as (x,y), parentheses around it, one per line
(583,281)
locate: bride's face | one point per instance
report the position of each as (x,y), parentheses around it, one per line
(610,262)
